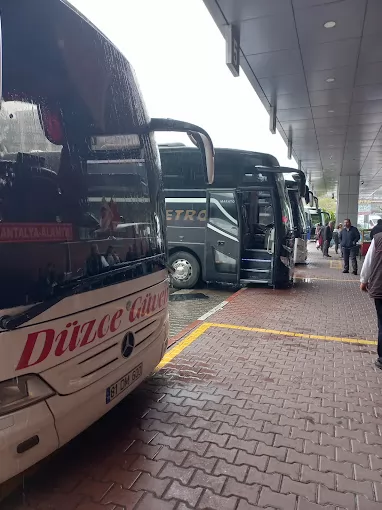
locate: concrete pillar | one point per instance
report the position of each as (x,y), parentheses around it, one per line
(347,198)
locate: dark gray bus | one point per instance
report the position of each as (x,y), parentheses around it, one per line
(239,230)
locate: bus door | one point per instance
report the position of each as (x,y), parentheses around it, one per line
(258,234)
(222,253)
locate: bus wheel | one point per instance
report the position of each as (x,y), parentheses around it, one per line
(187,270)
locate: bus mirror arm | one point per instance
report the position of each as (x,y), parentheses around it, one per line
(197,135)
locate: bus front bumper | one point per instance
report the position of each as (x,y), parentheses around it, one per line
(31,434)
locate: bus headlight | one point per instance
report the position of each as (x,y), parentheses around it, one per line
(21,392)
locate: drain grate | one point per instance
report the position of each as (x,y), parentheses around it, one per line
(187,297)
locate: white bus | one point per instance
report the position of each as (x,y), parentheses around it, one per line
(84,284)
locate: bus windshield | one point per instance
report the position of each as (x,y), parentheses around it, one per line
(287,218)
(59,227)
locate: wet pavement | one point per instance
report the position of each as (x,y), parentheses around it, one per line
(185,312)
(271,402)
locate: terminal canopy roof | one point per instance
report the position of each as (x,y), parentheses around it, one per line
(319,62)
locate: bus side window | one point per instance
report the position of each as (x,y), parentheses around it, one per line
(182,169)
(223,211)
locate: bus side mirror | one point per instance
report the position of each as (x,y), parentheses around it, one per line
(306,195)
(1,63)
(197,135)
(310,200)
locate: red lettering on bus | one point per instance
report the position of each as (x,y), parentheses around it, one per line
(101,332)
(134,314)
(73,339)
(88,329)
(25,359)
(61,337)
(114,325)
(39,344)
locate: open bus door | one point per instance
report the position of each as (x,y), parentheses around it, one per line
(222,253)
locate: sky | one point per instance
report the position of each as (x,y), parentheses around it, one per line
(179,56)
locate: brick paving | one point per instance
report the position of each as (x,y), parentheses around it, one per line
(318,267)
(183,313)
(240,420)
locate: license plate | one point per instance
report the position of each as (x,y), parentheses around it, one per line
(123,384)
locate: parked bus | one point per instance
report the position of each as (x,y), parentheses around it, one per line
(84,284)
(315,215)
(293,185)
(238,231)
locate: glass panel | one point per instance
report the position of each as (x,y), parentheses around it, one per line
(286,212)
(71,218)
(265,209)
(182,169)
(298,211)
(258,218)
(223,212)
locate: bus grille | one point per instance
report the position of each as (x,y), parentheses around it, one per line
(94,364)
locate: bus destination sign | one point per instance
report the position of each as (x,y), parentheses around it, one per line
(35,232)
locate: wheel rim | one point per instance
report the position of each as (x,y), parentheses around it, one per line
(183,270)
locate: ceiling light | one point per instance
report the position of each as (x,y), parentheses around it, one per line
(330,80)
(330,111)
(330,24)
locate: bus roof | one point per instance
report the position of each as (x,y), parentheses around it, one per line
(268,159)
(182,168)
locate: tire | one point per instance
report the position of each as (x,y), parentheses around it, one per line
(187,270)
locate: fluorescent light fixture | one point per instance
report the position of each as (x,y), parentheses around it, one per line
(330,111)
(330,80)
(330,24)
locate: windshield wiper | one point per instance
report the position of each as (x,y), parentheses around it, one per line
(11,322)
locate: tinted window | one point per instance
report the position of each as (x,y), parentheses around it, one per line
(297,210)
(69,216)
(182,169)
(286,212)
(223,212)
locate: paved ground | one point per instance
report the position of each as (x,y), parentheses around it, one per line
(183,313)
(285,418)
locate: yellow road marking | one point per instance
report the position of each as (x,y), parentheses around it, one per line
(178,348)
(335,264)
(292,333)
(309,278)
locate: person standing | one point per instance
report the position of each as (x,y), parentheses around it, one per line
(349,238)
(371,282)
(327,236)
(318,236)
(376,230)
(336,238)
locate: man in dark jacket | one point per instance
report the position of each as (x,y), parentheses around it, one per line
(327,236)
(349,238)
(377,229)
(371,281)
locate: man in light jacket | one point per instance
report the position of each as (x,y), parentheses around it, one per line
(371,282)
